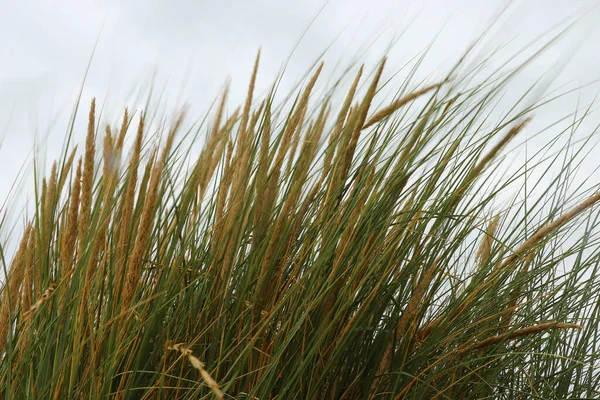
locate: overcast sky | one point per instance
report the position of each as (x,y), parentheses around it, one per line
(196,45)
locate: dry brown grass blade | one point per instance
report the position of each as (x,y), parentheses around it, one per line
(483,253)
(87,181)
(134,262)
(412,308)
(41,300)
(110,175)
(339,124)
(124,226)
(248,103)
(365,105)
(10,291)
(546,230)
(213,149)
(351,134)
(99,238)
(223,190)
(122,132)
(260,224)
(238,171)
(69,235)
(296,120)
(483,163)
(522,251)
(508,313)
(396,105)
(199,365)
(216,156)
(108,169)
(48,199)
(66,170)
(291,131)
(530,330)
(26,291)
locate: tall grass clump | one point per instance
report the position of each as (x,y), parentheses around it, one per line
(312,248)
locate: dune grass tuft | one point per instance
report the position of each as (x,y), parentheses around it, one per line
(309,250)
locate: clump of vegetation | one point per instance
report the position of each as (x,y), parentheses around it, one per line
(312,249)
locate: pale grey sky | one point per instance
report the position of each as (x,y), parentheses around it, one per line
(45,47)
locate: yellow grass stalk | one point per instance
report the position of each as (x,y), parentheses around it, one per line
(99,237)
(65,170)
(69,234)
(10,291)
(411,310)
(198,365)
(256,116)
(222,193)
(26,294)
(108,154)
(295,141)
(410,143)
(522,251)
(41,300)
(110,175)
(122,132)
(483,253)
(513,303)
(248,103)
(346,106)
(216,129)
(134,262)
(350,231)
(124,227)
(296,119)
(548,229)
(26,290)
(348,238)
(48,206)
(305,159)
(335,173)
(217,154)
(530,330)
(261,181)
(361,117)
(235,173)
(243,150)
(87,181)
(142,193)
(396,105)
(339,124)
(482,164)
(208,154)
(298,178)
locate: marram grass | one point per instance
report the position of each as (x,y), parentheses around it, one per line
(315,249)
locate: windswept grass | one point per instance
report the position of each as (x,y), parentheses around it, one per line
(311,250)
